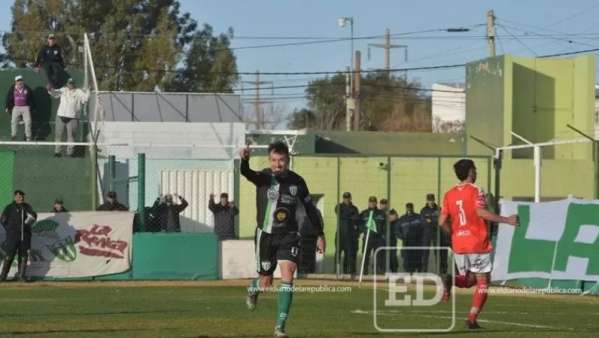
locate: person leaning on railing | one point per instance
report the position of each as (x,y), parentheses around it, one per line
(72,100)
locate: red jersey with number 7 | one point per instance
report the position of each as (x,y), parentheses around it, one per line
(469,232)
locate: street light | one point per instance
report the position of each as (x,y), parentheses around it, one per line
(349,91)
(343,22)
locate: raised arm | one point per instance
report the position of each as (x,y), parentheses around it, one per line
(183,203)
(211,204)
(251,175)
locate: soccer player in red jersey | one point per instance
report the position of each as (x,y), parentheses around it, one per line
(464,216)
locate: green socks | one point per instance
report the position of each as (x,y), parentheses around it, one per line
(285,299)
(254,287)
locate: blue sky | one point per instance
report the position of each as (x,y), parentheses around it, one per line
(318,18)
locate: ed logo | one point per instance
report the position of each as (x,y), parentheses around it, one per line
(403,297)
(401,289)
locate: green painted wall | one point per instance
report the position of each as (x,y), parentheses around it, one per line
(534,97)
(7,169)
(486,99)
(559,179)
(390,144)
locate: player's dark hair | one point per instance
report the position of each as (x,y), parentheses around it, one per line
(278,147)
(19,192)
(462,168)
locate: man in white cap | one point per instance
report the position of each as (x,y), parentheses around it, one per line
(72,100)
(19,103)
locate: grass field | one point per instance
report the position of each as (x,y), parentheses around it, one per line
(214,309)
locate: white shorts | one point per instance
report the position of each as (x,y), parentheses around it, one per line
(477,263)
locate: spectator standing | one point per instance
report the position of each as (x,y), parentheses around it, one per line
(348,217)
(19,104)
(393,224)
(224,216)
(58,206)
(17,219)
(50,58)
(430,216)
(112,203)
(168,212)
(72,100)
(411,228)
(376,239)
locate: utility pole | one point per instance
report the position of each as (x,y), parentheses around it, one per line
(349,100)
(387,46)
(257,102)
(491,32)
(356,91)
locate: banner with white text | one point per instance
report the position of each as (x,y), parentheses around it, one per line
(555,240)
(79,244)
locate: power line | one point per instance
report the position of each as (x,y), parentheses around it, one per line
(519,41)
(572,16)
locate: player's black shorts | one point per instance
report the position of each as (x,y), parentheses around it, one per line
(271,248)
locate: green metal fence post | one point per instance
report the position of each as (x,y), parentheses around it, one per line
(387,227)
(337,233)
(94,176)
(141,190)
(111,172)
(237,193)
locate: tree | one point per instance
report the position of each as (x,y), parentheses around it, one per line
(136,44)
(387,104)
(301,119)
(209,64)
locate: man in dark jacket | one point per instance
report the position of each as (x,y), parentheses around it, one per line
(411,228)
(17,219)
(19,104)
(347,244)
(393,224)
(430,216)
(112,204)
(433,234)
(224,217)
(167,212)
(50,58)
(375,239)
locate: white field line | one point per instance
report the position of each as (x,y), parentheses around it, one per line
(419,314)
